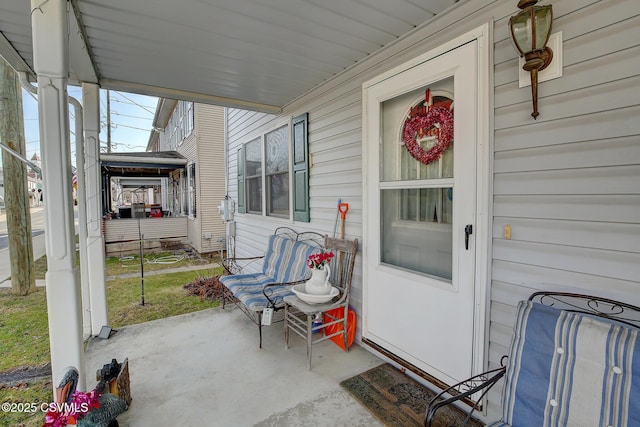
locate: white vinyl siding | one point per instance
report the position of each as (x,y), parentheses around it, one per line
(210,182)
(204,148)
(568,183)
(159,228)
(121,236)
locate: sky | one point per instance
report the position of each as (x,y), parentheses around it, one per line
(131,121)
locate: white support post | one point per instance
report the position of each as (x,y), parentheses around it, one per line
(82,218)
(49,23)
(93,183)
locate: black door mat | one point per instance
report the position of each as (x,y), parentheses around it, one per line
(397,400)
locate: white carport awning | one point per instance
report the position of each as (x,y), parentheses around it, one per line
(145,164)
(252,54)
(139,182)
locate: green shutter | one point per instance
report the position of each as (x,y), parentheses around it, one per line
(300,150)
(242,207)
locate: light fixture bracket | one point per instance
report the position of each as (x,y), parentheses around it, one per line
(526,3)
(538,59)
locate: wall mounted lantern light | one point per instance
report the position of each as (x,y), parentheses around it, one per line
(530,30)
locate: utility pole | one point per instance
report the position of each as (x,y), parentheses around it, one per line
(15,182)
(108,122)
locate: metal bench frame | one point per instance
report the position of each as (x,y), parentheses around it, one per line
(235,266)
(480,384)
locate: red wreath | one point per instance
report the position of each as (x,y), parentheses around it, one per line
(422,121)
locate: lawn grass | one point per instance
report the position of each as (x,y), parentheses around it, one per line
(24,332)
(117,266)
(24,329)
(33,392)
(164,296)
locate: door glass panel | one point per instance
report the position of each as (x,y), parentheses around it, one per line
(422,246)
(417,154)
(396,162)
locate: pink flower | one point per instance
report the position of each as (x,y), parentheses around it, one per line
(319,260)
(69,413)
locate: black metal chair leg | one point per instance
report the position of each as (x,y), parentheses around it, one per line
(260,327)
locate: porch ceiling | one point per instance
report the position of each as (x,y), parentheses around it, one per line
(253,54)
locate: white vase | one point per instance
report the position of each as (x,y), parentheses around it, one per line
(319,283)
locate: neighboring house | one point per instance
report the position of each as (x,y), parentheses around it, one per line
(196,131)
(34,183)
(514,205)
(133,213)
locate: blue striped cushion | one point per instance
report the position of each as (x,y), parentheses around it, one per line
(286,259)
(571,369)
(248,289)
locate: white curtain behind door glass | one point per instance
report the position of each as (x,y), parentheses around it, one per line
(423,205)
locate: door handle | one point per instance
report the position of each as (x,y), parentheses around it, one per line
(468,230)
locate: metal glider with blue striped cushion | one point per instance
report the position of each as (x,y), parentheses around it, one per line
(284,262)
(560,360)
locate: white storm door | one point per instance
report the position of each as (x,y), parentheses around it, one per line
(419,262)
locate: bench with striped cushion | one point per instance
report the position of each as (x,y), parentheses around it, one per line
(571,369)
(284,262)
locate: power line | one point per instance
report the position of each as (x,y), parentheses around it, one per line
(130,127)
(103,148)
(132,102)
(133,117)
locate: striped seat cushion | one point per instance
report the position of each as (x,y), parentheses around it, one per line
(571,369)
(248,289)
(285,261)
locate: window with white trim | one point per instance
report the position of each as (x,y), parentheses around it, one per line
(268,164)
(191,175)
(267,173)
(181,123)
(184,193)
(253,180)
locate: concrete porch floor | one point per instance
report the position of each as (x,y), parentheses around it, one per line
(205,369)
